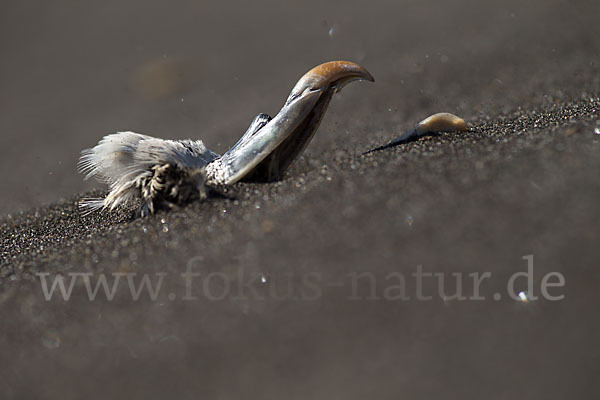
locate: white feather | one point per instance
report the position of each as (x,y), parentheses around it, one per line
(124,160)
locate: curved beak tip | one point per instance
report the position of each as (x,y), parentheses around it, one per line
(367,76)
(335,71)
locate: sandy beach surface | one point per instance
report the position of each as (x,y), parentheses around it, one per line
(307,288)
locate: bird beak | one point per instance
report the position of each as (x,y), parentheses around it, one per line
(270,146)
(331,75)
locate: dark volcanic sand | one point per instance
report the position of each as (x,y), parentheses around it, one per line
(524,181)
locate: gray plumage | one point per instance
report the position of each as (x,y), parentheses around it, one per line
(137,166)
(161,173)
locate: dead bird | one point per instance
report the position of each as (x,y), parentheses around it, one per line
(168,173)
(436,123)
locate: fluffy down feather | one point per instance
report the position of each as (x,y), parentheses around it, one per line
(125,161)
